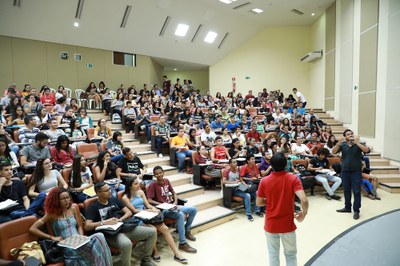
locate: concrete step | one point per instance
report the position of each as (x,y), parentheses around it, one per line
(334,123)
(156,161)
(144,155)
(211,217)
(390,187)
(388,178)
(138,147)
(169,170)
(379,161)
(210,198)
(384,169)
(180,179)
(374,155)
(94,111)
(186,191)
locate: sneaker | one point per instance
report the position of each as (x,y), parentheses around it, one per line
(335,197)
(343,210)
(260,214)
(156,258)
(250,218)
(181,260)
(185,247)
(160,155)
(190,237)
(356,215)
(147,263)
(329,197)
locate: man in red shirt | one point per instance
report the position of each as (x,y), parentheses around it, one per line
(253,134)
(314,145)
(48,98)
(277,192)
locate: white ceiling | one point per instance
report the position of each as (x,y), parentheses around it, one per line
(52,20)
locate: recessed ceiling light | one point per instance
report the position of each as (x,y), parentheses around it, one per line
(181,30)
(76,24)
(210,38)
(257,10)
(227,1)
(175,69)
(312,14)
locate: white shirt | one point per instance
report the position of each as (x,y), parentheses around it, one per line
(301,96)
(210,137)
(299,149)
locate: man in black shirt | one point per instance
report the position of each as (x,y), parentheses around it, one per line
(15,190)
(104,212)
(352,152)
(129,165)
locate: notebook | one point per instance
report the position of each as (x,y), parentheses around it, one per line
(74,242)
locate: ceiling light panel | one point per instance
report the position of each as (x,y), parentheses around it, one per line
(181,30)
(227,1)
(257,10)
(210,37)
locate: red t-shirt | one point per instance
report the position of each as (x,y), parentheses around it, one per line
(48,100)
(279,189)
(317,144)
(161,192)
(249,172)
(220,152)
(254,135)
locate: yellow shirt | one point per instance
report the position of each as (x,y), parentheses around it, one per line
(179,141)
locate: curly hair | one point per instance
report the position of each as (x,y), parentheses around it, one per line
(52,202)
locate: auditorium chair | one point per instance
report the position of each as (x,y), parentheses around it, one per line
(227,195)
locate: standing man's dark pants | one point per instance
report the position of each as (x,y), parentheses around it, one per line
(351,181)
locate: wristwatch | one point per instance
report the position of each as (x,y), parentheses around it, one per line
(101,222)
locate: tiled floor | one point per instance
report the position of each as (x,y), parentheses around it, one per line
(240,242)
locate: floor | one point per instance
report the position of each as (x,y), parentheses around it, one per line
(240,242)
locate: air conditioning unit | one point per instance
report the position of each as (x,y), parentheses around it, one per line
(312,56)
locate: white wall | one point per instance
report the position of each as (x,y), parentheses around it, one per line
(271,59)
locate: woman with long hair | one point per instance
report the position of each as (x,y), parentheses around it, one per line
(136,200)
(44,178)
(17,117)
(102,130)
(76,131)
(114,147)
(6,154)
(106,170)
(62,152)
(192,139)
(326,134)
(85,120)
(80,179)
(15,102)
(91,91)
(63,221)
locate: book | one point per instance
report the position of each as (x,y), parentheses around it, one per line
(112,181)
(74,242)
(4,205)
(166,206)
(232,185)
(326,171)
(110,226)
(146,215)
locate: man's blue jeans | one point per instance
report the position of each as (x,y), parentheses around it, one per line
(351,181)
(36,204)
(289,248)
(246,200)
(182,156)
(179,216)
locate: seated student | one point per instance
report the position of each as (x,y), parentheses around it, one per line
(369,184)
(253,134)
(114,147)
(44,178)
(232,176)
(67,117)
(85,120)
(130,114)
(6,154)
(79,179)
(265,166)
(54,132)
(76,133)
(241,137)
(162,132)
(232,124)
(219,152)
(180,143)
(62,153)
(143,121)
(27,134)
(207,137)
(47,98)
(106,170)
(249,172)
(217,125)
(130,165)
(314,145)
(63,221)
(226,137)
(319,163)
(136,201)
(16,117)
(300,149)
(285,133)
(161,191)
(236,149)
(38,150)
(104,212)
(16,190)
(251,147)
(102,130)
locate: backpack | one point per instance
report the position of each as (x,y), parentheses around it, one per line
(337,167)
(307,178)
(116,118)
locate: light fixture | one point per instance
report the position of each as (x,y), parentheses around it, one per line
(181,30)
(175,69)
(76,24)
(312,14)
(227,1)
(210,38)
(257,10)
